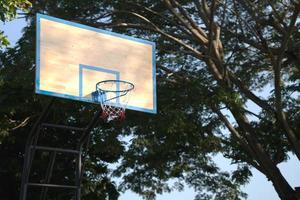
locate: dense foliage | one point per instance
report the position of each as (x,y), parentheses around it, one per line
(8,11)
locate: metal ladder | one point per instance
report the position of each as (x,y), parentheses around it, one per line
(31,147)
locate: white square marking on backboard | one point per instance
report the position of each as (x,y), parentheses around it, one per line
(90,76)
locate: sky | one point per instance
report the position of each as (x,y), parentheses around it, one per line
(257,189)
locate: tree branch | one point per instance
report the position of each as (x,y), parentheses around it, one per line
(284,190)
(240,139)
(261,103)
(201,12)
(170,37)
(202,40)
(190,20)
(23,123)
(175,23)
(277,16)
(277,83)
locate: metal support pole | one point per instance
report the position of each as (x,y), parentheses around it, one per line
(28,151)
(55,149)
(86,138)
(52,185)
(48,174)
(33,149)
(88,129)
(78,175)
(62,127)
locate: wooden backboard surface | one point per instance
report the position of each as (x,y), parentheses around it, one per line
(72,58)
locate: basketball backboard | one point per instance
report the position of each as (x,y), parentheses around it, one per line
(72,58)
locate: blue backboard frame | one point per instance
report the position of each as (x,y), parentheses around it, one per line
(78,98)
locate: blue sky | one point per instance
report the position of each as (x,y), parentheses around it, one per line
(258,188)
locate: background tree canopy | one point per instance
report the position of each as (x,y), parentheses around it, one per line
(8,11)
(212,58)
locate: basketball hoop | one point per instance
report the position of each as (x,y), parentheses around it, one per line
(113,95)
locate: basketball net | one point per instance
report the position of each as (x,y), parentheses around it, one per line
(113,96)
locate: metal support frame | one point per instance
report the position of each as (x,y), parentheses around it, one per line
(48,175)
(31,146)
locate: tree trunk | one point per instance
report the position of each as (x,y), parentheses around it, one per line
(282,187)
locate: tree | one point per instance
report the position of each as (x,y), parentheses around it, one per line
(199,77)
(8,12)
(20,107)
(260,38)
